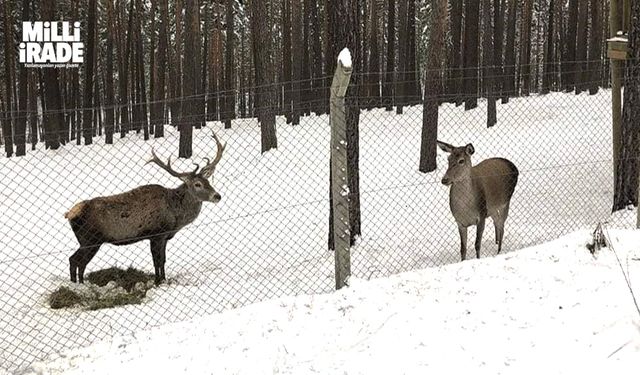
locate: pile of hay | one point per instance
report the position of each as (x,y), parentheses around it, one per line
(103,289)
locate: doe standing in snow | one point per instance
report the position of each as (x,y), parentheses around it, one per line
(478,192)
(149,212)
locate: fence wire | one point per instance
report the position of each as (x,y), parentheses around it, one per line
(267,237)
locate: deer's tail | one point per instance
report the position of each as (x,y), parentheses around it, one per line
(75,211)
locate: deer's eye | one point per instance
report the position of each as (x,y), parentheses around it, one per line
(461,161)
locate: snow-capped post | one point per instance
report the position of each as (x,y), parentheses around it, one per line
(339,169)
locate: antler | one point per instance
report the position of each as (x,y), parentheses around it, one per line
(208,169)
(167,166)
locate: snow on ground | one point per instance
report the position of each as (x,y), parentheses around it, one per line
(550,309)
(267,237)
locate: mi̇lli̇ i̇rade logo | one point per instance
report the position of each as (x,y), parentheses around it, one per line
(51,44)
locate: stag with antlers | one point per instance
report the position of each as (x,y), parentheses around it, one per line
(149,212)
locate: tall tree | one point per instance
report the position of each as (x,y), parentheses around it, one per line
(388,88)
(298,91)
(373,84)
(230,74)
(433,85)
(109,90)
(287,74)
(549,70)
(471,37)
(626,183)
(9,81)
(161,71)
(264,69)
(190,103)
(498,36)
(21,120)
(487,59)
(595,47)
(582,75)
(317,61)
(569,68)
(525,47)
(53,116)
(403,58)
(454,84)
(509,87)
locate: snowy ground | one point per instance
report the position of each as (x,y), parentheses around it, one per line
(267,237)
(550,309)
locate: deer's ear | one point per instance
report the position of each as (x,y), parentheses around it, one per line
(469,149)
(445,146)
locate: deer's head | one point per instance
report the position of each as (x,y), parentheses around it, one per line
(196,181)
(459,162)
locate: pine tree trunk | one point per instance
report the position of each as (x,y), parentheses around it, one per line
(433,85)
(525,48)
(626,184)
(53,116)
(471,37)
(454,91)
(21,120)
(230,74)
(7,128)
(403,51)
(498,36)
(264,69)
(388,88)
(595,44)
(581,52)
(320,101)
(509,87)
(190,104)
(161,63)
(487,58)
(549,70)
(297,42)
(570,67)
(109,90)
(373,85)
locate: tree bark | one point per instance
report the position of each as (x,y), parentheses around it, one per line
(53,116)
(525,48)
(549,70)
(230,74)
(510,54)
(264,69)
(189,111)
(569,66)
(581,74)
(388,88)
(403,51)
(471,37)
(626,184)
(433,85)
(595,45)
(487,58)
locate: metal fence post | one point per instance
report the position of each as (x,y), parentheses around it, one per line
(339,169)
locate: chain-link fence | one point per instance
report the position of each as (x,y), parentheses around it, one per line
(268,235)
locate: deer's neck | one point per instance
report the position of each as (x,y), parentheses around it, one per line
(186,205)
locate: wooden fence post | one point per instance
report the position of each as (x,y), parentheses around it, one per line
(339,169)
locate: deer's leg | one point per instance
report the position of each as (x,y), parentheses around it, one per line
(463,242)
(85,255)
(163,256)
(499,233)
(479,231)
(73,266)
(155,254)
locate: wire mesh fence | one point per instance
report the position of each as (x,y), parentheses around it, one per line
(267,236)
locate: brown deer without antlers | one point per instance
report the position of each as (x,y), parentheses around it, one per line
(149,212)
(478,192)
